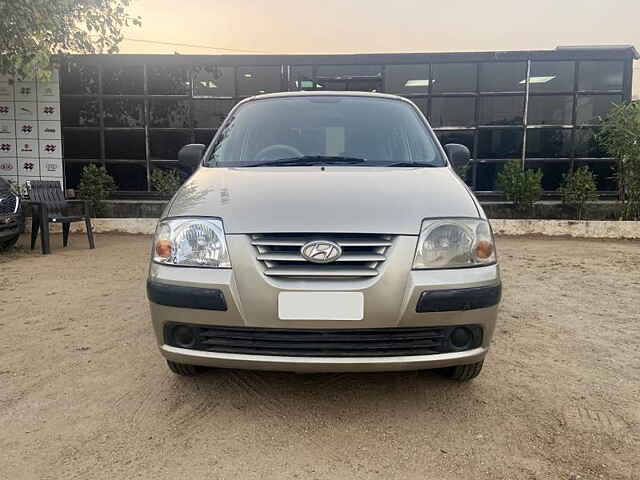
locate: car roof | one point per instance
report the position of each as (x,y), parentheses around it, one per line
(325,94)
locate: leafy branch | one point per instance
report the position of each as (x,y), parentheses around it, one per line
(33,32)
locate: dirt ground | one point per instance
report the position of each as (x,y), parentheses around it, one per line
(84,393)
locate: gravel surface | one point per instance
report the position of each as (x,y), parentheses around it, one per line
(84,393)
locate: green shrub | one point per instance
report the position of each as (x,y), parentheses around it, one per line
(462,171)
(95,185)
(620,135)
(522,187)
(578,187)
(165,181)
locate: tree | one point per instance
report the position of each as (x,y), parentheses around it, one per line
(522,187)
(620,135)
(578,188)
(33,32)
(95,186)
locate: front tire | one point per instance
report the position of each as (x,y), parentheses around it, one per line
(183,369)
(8,243)
(464,373)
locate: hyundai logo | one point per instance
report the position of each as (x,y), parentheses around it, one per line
(321,251)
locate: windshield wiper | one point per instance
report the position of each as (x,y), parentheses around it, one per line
(307,160)
(411,164)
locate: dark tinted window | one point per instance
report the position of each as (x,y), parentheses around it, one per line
(601,75)
(457,136)
(454,77)
(374,129)
(170,113)
(549,142)
(503,77)
(80,112)
(423,105)
(163,80)
(550,110)
(552,172)
(164,145)
(301,78)
(487,175)
(605,174)
(123,80)
(587,144)
(552,77)
(81,143)
(124,144)
(73,173)
(349,71)
(128,176)
(213,81)
(365,78)
(502,110)
(257,80)
(407,79)
(211,113)
(500,143)
(123,112)
(79,79)
(204,136)
(592,107)
(453,111)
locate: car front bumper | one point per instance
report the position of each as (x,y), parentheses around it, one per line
(320,364)
(398,297)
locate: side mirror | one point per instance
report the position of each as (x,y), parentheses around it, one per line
(458,155)
(189,157)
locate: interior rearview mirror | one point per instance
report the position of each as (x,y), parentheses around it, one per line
(458,155)
(189,157)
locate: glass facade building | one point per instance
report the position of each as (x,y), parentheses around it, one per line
(133,113)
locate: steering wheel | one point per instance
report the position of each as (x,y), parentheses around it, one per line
(275,152)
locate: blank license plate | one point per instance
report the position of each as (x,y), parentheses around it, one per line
(320,306)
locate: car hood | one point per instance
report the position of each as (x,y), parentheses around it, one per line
(341,199)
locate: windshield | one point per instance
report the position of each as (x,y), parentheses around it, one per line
(325,130)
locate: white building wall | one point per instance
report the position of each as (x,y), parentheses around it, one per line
(30,130)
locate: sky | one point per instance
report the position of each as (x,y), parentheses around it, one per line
(374,26)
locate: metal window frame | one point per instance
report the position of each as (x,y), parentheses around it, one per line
(287,62)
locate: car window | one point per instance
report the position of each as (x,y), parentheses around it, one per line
(377,130)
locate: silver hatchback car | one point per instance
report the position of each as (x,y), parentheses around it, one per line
(324,232)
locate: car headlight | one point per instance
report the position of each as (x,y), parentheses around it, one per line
(191,242)
(454,243)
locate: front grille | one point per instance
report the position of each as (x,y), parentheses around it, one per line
(8,203)
(375,342)
(361,256)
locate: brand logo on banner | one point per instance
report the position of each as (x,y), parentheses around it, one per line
(52,167)
(26,148)
(50,148)
(48,92)
(27,128)
(25,91)
(49,110)
(6,166)
(28,166)
(4,128)
(49,130)
(4,109)
(5,147)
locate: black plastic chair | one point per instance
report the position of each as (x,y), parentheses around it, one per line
(49,206)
